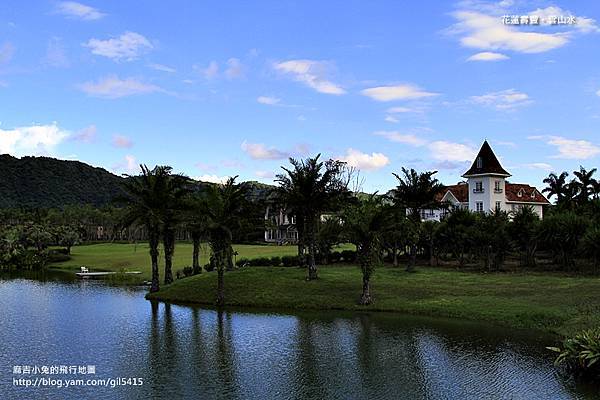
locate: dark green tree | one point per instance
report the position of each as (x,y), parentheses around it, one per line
(308,189)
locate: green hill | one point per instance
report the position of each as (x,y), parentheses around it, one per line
(44,182)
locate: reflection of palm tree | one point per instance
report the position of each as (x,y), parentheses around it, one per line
(225,354)
(307,365)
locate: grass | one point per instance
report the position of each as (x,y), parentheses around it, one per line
(132,257)
(552,303)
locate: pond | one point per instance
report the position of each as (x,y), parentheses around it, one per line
(56,321)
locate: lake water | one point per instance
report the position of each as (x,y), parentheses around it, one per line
(187,352)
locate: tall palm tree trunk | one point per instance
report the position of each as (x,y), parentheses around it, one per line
(169,244)
(365,298)
(153,239)
(311,261)
(196,253)
(412,260)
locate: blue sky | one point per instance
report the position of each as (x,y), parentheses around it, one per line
(224,88)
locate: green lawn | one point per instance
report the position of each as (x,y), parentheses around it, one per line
(557,304)
(118,256)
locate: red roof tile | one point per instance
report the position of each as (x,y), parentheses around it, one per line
(529,194)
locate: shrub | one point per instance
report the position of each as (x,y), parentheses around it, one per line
(348,255)
(275,261)
(209,267)
(335,256)
(260,262)
(188,271)
(54,257)
(289,261)
(581,353)
(242,262)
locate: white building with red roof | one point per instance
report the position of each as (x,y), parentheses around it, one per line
(487,189)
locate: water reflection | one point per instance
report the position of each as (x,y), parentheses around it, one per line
(184,352)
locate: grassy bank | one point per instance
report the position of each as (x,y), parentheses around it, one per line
(118,256)
(557,304)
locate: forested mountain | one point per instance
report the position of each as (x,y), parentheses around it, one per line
(44,182)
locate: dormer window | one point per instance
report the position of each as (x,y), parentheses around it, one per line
(479,162)
(520,193)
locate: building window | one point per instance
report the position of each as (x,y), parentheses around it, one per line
(498,186)
(497,206)
(478,187)
(479,206)
(479,162)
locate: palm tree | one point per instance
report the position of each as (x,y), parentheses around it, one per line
(176,188)
(364,222)
(307,190)
(197,225)
(144,197)
(415,192)
(585,183)
(557,186)
(225,207)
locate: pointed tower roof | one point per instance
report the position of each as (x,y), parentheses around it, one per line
(486,163)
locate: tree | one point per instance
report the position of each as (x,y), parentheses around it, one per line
(428,237)
(225,207)
(144,198)
(415,192)
(308,189)
(456,234)
(176,188)
(197,225)
(561,234)
(364,222)
(590,244)
(492,239)
(585,184)
(523,231)
(557,186)
(67,237)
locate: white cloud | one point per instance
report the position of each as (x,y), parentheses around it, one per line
(598,93)
(395,136)
(33,139)
(122,142)
(265,174)
(271,101)
(573,149)
(583,24)
(259,151)
(449,151)
(487,56)
(112,87)
(311,73)
(129,165)
(210,72)
(392,119)
(128,46)
(86,135)
(56,55)
(542,166)
(163,68)
(212,178)
(360,160)
(397,92)
(503,100)
(72,9)
(487,32)
(6,52)
(235,69)
(403,110)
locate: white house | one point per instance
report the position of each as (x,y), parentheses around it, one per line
(487,189)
